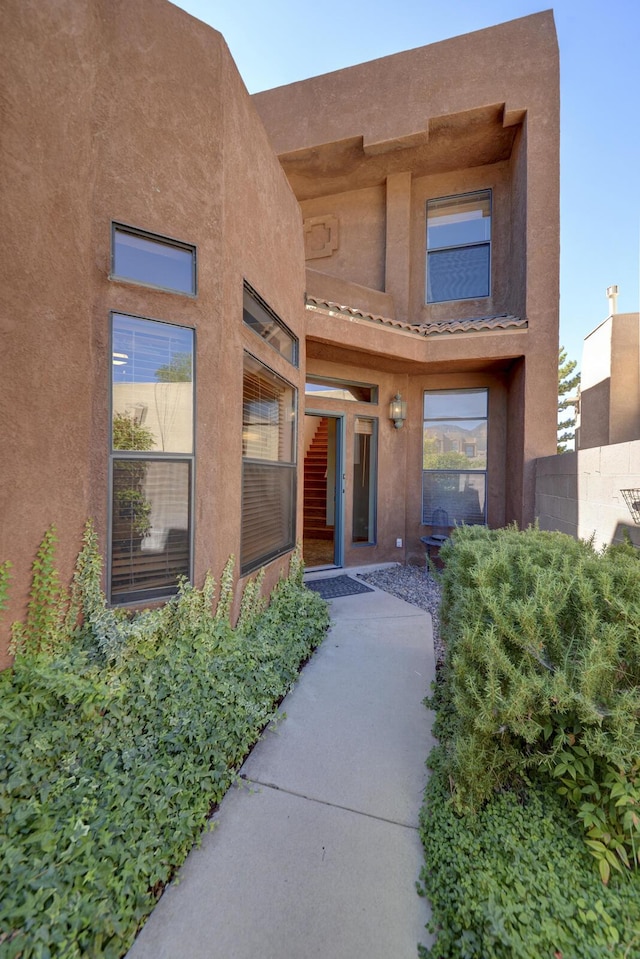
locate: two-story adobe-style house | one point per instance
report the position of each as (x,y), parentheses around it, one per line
(168,367)
(428,185)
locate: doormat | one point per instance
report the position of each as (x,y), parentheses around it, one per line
(337,586)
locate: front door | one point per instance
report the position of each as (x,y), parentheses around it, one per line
(322,530)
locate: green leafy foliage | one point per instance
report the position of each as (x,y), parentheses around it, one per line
(115,747)
(515,881)
(607,802)
(44,630)
(544,645)
(5,576)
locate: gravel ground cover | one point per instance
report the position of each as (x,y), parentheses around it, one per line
(415,585)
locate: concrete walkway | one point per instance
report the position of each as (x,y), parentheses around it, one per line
(316,854)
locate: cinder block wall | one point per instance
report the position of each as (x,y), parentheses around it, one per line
(580,493)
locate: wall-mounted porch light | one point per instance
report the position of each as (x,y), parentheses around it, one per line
(398,411)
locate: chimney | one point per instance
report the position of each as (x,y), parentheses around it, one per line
(612,296)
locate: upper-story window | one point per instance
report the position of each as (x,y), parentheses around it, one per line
(153,260)
(459,247)
(260,317)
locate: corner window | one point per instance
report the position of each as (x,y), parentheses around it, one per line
(153,260)
(259,317)
(459,247)
(151,458)
(454,467)
(268,465)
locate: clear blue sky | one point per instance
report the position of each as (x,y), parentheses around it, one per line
(279,41)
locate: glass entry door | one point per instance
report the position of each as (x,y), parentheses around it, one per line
(322,530)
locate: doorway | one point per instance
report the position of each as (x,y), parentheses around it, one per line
(322,525)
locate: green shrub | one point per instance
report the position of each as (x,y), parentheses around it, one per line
(544,649)
(515,881)
(115,747)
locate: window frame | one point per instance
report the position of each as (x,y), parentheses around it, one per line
(373,479)
(291,466)
(248,290)
(141,597)
(314,379)
(118,227)
(425,521)
(487,192)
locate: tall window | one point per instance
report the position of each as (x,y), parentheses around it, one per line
(268,465)
(364,480)
(459,247)
(151,458)
(454,476)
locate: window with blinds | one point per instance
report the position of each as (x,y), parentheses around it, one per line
(268,465)
(454,455)
(459,247)
(151,458)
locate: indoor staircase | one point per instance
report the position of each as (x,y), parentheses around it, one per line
(315,486)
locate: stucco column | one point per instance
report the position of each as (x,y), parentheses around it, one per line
(397,258)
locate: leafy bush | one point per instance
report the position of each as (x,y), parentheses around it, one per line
(115,747)
(544,645)
(515,880)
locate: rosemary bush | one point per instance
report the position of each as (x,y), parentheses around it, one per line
(544,657)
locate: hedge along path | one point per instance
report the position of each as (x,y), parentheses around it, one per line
(116,743)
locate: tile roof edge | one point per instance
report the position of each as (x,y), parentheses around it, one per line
(471,325)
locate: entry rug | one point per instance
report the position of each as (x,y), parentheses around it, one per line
(337,586)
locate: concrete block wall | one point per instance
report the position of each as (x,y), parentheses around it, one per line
(579,493)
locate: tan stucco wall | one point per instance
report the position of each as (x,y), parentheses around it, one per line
(133,111)
(579,493)
(359,256)
(476,112)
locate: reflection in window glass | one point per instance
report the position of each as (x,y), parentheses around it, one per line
(151,458)
(317,386)
(364,480)
(150,532)
(268,414)
(459,247)
(152,385)
(153,260)
(263,321)
(268,465)
(454,455)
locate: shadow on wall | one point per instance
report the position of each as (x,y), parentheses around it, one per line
(583,493)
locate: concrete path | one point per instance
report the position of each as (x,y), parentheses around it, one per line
(316,854)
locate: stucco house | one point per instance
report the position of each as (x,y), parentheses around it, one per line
(593,492)
(210,300)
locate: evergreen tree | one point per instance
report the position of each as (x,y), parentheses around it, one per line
(568,386)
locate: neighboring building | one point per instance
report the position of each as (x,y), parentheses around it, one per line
(156,338)
(595,490)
